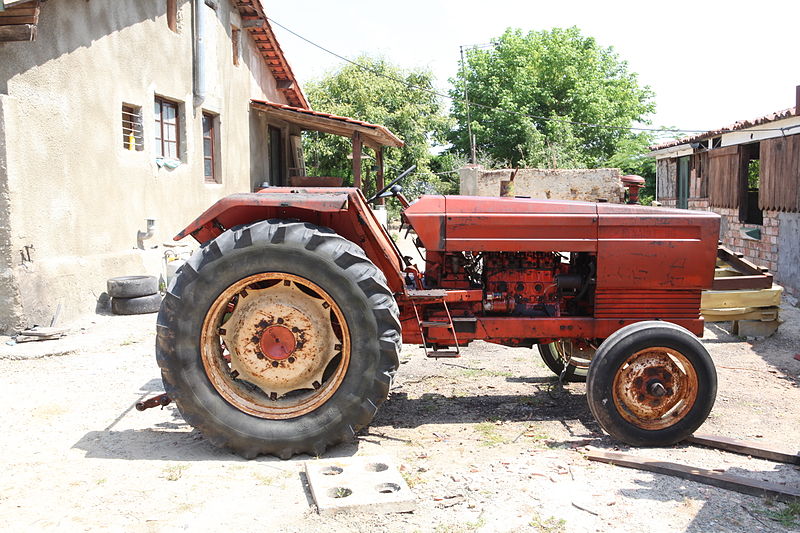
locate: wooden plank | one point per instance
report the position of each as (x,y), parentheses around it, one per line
(722,480)
(765,314)
(732,283)
(18,32)
(17,19)
(742,298)
(756,449)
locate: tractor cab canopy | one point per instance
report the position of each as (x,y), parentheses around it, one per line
(373,136)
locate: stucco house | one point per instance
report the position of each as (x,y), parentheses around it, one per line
(121,121)
(749,173)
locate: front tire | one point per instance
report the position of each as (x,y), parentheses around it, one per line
(278,338)
(651,384)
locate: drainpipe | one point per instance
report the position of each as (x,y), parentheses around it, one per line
(142,236)
(199,62)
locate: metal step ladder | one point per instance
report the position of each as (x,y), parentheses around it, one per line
(436,296)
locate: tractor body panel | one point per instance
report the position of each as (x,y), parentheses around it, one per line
(344,210)
(513,271)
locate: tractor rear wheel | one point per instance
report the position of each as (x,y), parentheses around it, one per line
(556,355)
(278,338)
(651,384)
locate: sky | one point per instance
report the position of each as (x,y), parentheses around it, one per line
(710,63)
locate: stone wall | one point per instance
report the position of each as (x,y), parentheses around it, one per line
(562,184)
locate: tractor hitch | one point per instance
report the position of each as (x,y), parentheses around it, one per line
(160,400)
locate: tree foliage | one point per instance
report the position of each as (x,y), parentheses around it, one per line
(371,94)
(562,76)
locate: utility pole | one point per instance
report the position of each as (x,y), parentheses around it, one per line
(472,157)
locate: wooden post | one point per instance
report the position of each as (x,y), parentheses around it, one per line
(379,173)
(172,15)
(357,160)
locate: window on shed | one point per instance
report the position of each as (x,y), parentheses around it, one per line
(210,149)
(749,184)
(167,121)
(132,127)
(682,184)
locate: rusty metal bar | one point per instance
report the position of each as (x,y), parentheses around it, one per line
(156,401)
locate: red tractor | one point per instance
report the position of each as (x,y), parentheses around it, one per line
(282,332)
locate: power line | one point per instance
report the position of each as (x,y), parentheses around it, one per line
(484,106)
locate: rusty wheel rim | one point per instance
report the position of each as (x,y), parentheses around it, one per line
(562,348)
(655,388)
(275,345)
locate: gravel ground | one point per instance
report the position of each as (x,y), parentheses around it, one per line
(488,442)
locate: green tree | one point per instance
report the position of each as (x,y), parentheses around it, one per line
(371,94)
(560,75)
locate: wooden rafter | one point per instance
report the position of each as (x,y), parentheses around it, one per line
(255,21)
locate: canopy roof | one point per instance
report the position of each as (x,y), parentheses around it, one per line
(373,135)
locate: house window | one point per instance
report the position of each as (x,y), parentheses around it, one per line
(750,183)
(132,128)
(167,128)
(210,149)
(236,44)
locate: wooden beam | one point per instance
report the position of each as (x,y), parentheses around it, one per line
(765,314)
(741,298)
(756,449)
(379,173)
(18,32)
(722,480)
(253,22)
(731,283)
(357,160)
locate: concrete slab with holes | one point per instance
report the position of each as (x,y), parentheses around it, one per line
(359,484)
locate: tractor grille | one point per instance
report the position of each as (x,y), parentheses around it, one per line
(647,304)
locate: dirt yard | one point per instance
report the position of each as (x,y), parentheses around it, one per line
(488,442)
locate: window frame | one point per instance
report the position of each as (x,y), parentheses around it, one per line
(159,121)
(213,157)
(132,124)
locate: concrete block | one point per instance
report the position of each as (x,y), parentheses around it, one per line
(371,484)
(755,328)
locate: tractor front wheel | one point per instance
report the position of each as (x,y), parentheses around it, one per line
(278,338)
(651,384)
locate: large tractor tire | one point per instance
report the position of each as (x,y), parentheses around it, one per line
(278,338)
(651,384)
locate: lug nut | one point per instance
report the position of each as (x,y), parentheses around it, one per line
(657,389)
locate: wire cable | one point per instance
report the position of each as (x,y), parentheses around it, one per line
(489,107)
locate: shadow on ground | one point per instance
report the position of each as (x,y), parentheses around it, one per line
(174,440)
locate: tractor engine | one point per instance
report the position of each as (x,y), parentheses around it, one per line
(525,283)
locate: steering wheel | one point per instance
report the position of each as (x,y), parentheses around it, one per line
(382,193)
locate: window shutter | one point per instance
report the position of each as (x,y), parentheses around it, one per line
(724,167)
(780,174)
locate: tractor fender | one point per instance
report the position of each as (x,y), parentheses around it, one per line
(242,208)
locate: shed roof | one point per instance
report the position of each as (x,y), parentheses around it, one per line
(739,125)
(373,135)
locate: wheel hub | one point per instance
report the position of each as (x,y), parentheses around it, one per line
(655,387)
(277,342)
(280,338)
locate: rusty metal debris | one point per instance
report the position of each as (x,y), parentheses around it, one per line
(161,400)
